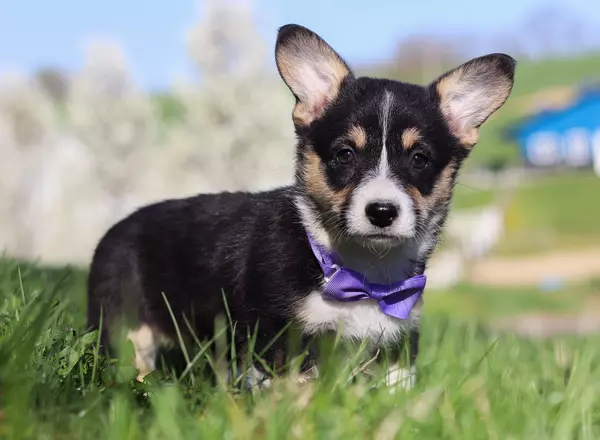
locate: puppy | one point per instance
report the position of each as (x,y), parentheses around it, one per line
(344,249)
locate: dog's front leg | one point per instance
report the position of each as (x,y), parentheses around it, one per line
(400,363)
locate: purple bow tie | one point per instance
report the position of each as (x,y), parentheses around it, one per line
(396,299)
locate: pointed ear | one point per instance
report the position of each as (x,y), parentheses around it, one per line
(469,94)
(311,69)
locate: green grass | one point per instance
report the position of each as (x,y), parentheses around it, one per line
(533,76)
(473,383)
(466,197)
(546,213)
(558,211)
(485,303)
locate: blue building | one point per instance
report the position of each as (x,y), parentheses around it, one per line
(566,137)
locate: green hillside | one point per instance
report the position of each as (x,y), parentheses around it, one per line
(545,213)
(553,212)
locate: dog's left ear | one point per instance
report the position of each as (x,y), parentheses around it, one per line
(470,93)
(313,71)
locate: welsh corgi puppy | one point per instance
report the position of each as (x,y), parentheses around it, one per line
(344,249)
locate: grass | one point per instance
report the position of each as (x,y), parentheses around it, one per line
(467,301)
(547,213)
(466,197)
(558,211)
(473,383)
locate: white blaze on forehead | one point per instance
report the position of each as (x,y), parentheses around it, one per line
(379,186)
(384,118)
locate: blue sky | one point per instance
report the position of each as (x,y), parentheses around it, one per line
(37,33)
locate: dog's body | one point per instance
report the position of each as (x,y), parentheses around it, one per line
(376,164)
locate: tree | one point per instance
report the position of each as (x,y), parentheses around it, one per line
(26,126)
(54,83)
(237,132)
(115,121)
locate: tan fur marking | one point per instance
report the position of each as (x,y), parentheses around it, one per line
(470,138)
(410,137)
(443,187)
(416,195)
(358,135)
(302,115)
(441,191)
(145,344)
(317,184)
(448,84)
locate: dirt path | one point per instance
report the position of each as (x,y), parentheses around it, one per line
(519,271)
(539,325)
(546,325)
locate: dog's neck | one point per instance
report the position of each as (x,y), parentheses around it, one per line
(378,264)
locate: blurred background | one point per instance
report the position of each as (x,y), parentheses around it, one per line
(106,106)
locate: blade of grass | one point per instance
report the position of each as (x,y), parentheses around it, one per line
(179,335)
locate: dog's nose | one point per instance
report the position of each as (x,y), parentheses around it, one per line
(381,214)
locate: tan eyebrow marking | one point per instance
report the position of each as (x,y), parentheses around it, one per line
(410,137)
(358,135)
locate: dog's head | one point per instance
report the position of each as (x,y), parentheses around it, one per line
(377,159)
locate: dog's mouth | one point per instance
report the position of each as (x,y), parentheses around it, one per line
(383,240)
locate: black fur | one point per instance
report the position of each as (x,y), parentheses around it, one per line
(250,247)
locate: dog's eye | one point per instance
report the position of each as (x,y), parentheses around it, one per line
(345,156)
(419,161)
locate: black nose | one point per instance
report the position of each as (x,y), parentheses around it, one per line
(381,214)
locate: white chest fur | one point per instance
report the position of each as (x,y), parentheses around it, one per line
(362,319)
(354,320)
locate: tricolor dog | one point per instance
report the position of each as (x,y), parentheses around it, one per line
(344,249)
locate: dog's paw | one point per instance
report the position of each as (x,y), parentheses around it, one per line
(308,375)
(257,379)
(400,378)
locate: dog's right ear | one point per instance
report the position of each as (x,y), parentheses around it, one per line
(312,70)
(469,94)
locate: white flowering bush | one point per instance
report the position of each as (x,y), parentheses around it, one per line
(116,123)
(238,132)
(69,171)
(27,129)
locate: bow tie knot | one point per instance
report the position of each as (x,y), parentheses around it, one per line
(396,299)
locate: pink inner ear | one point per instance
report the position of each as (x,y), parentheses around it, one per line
(320,85)
(459,116)
(317,83)
(451,112)
(315,92)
